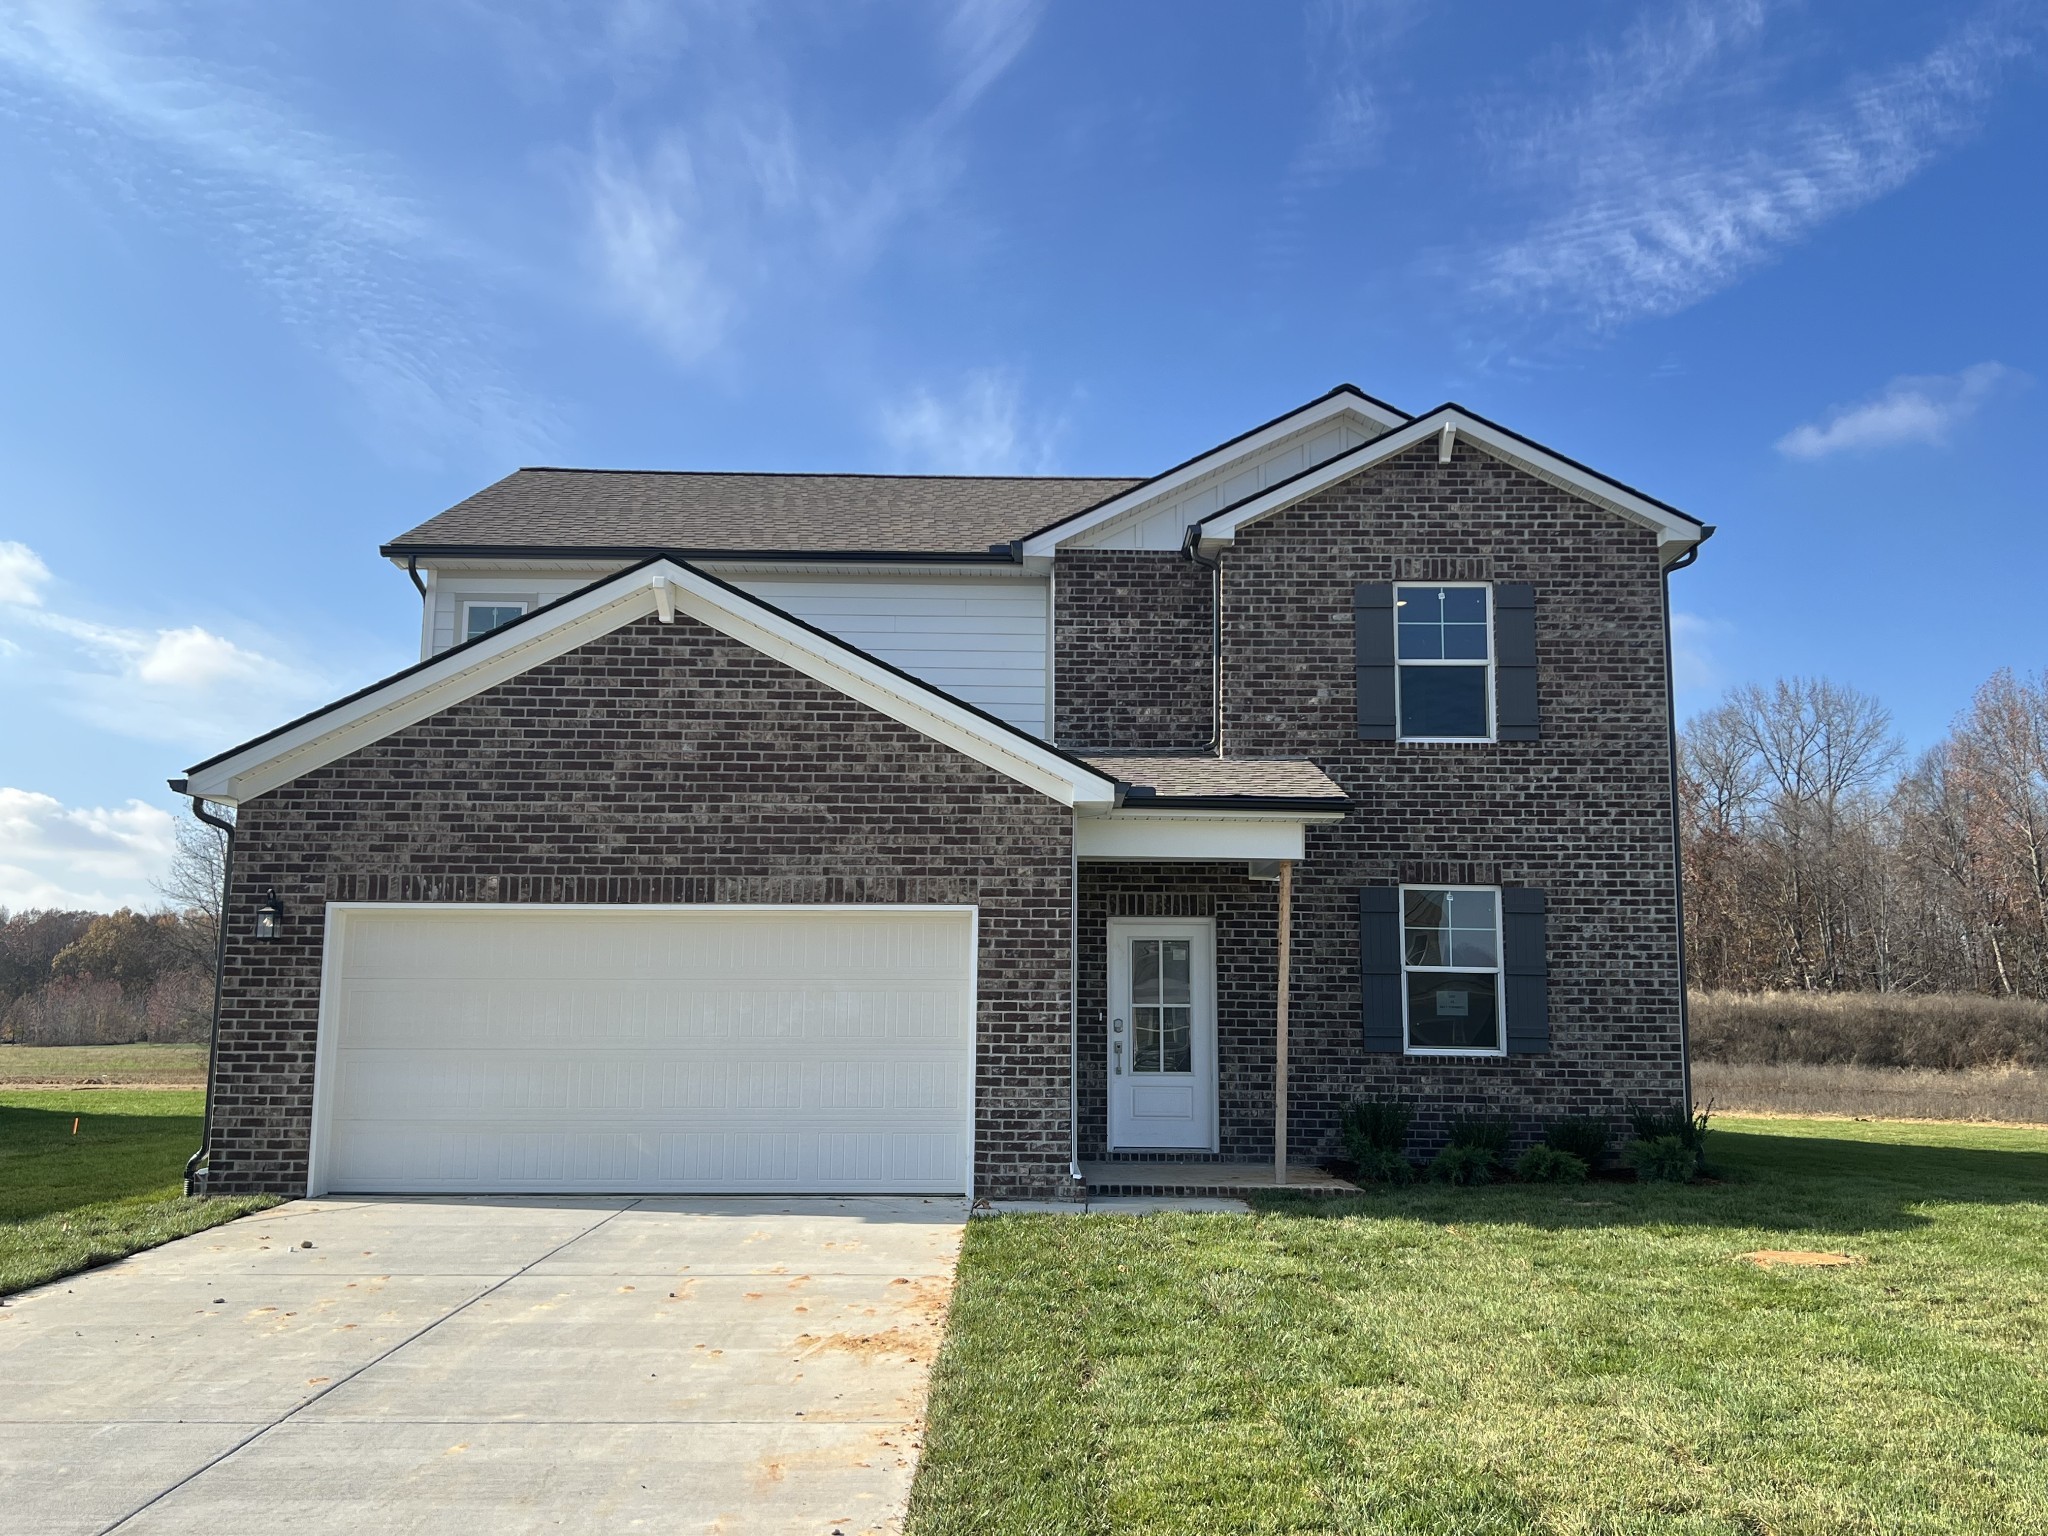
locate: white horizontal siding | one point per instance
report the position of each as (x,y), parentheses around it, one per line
(1163,524)
(980,638)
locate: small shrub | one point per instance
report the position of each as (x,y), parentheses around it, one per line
(1664,1159)
(1376,1165)
(1369,1125)
(1586,1137)
(1550,1165)
(1672,1125)
(1463,1165)
(1485,1133)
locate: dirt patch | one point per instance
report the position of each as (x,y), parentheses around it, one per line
(1767,1258)
(900,1343)
(83,1084)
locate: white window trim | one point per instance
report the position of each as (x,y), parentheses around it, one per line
(1500,991)
(1492,660)
(462,633)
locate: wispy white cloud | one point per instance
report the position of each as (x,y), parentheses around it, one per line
(1347,43)
(1673,169)
(344,253)
(183,685)
(691,217)
(979,427)
(1911,409)
(22,574)
(93,857)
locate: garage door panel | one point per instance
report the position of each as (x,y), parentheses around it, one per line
(487,1012)
(562,1049)
(402,1085)
(885,947)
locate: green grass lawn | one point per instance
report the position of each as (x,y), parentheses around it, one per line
(34,1065)
(71,1200)
(1535,1358)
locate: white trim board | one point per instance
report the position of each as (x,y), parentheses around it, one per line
(1196,835)
(1675,532)
(661,588)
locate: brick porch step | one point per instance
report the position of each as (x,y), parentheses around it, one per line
(1204,1180)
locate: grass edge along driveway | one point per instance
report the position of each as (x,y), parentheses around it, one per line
(1515,1359)
(72,1200)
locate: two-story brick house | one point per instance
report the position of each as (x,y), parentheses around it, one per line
(840,833)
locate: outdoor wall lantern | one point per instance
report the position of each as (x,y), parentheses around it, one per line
(269,917)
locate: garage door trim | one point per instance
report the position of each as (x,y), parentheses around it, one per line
(335,941)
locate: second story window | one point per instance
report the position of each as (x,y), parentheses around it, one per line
(482,618)
(1443,647)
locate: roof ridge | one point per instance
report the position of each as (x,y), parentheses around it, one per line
(799,474)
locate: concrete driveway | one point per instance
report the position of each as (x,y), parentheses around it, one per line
(485,1366)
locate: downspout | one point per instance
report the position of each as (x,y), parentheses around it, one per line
(220,964)
(1190,548)
(1677,836)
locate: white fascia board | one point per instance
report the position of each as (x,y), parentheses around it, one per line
(1310,415)
(600,609)
(1195,835)
(1673,531)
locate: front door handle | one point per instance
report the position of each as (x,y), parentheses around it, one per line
(1116,1054)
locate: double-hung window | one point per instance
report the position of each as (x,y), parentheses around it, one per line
(1451,965)
(1443,649)
(482,618)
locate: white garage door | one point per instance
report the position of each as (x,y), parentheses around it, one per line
(645,1049)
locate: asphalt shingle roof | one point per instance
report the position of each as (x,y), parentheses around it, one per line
(1210,778)
(642,511)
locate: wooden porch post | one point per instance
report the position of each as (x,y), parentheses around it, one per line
(1280,1022)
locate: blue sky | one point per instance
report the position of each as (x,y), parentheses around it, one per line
(286,278)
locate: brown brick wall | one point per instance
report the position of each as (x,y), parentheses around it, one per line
(1131,637)
(661,763)
(1583,814)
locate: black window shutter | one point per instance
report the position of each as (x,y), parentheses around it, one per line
(1379,966)
(1514,656)
(1526,969)
(1372,607)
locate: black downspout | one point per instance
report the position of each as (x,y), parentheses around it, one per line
(1190,548)
(1677,834)
(412,569)
(220,965)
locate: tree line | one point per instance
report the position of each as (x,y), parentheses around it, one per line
(111,978)
(1820,858)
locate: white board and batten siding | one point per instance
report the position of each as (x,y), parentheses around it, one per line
(1163,523)
(570,1049)
(980,638)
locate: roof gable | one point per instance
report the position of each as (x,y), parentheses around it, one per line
(1676,531)
(662,588)
(1346,404)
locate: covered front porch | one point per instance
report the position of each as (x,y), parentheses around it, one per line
(1184,935)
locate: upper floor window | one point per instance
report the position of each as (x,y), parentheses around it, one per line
(482,618)
(1443,648)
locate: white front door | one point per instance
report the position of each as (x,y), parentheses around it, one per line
(1162,1034)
